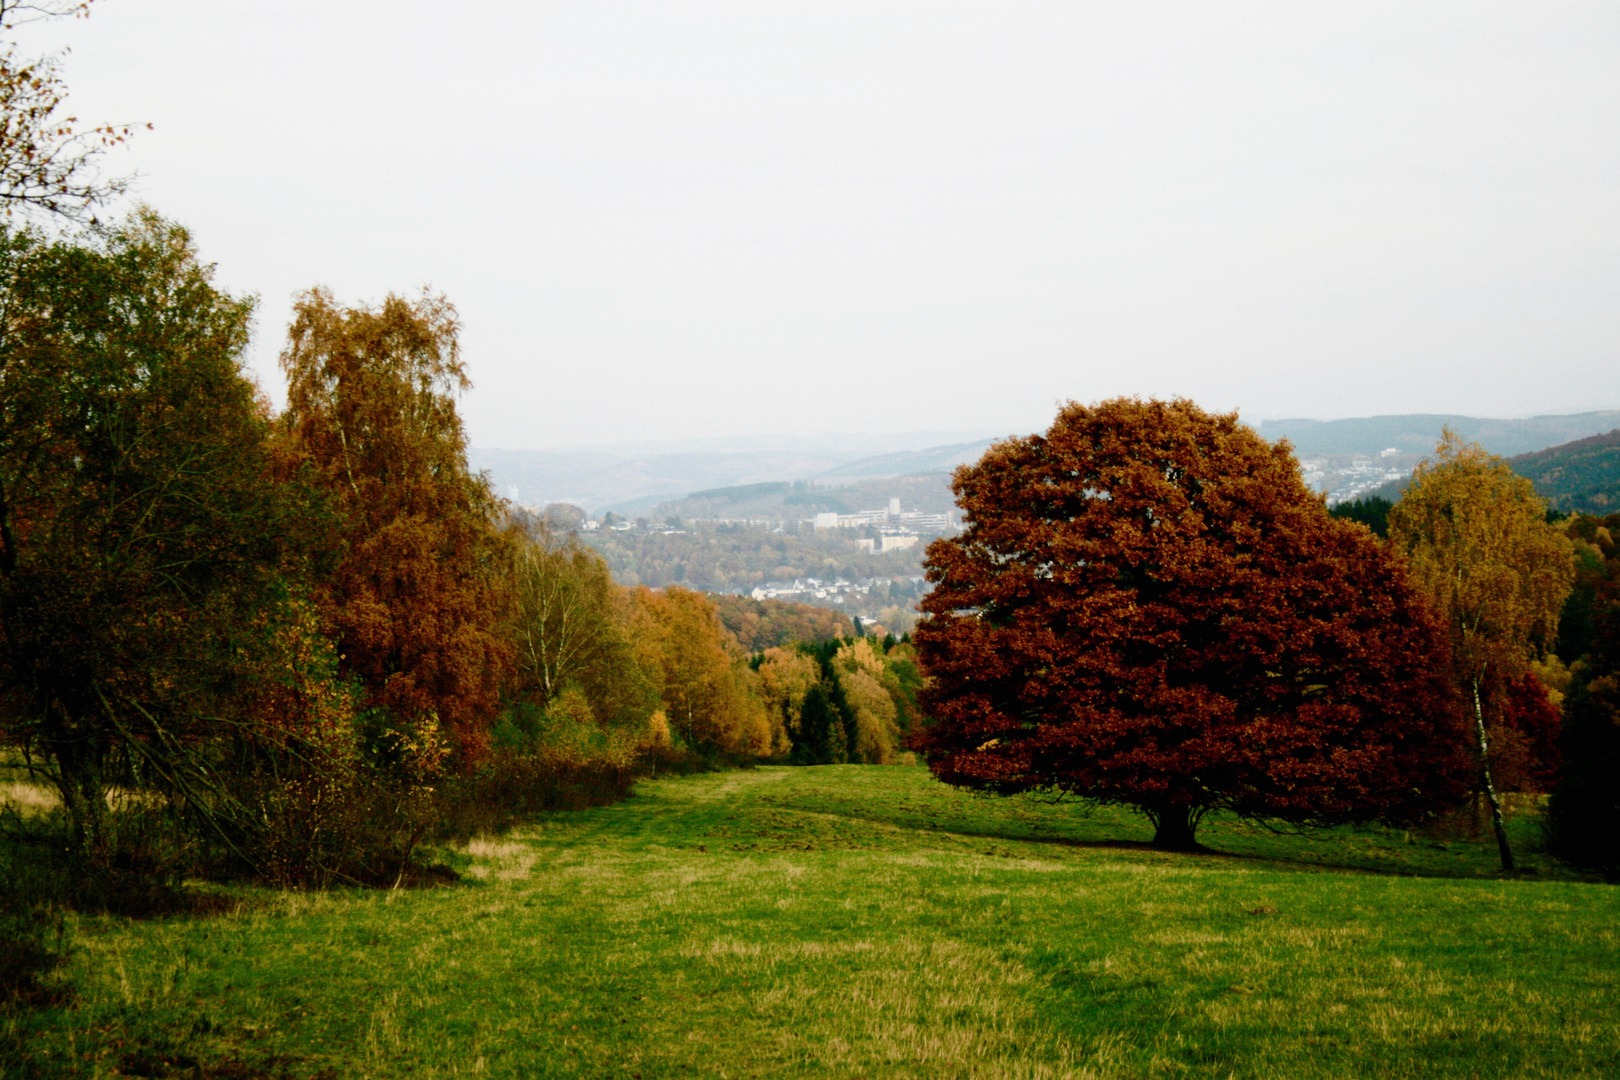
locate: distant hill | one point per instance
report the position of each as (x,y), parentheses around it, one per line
(1583,475)
(941,459)
(633,483)
(632,478)
(928,493)
(1417,433)
(700,478)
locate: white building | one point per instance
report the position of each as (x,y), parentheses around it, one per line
(910,521)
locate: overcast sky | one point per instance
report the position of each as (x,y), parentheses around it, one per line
(671,219)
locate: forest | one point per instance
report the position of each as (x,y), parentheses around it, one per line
(1577,477)
(308,624)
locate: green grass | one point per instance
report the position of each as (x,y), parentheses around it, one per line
(863,922)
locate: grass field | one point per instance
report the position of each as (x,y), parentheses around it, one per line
(866,922)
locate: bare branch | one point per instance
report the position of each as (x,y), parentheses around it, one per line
(49,160)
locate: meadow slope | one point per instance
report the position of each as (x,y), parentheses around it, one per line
(865,922)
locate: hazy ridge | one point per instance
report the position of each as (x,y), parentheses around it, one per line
(636,478)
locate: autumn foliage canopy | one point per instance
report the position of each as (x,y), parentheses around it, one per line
(416,595)
(1149,608)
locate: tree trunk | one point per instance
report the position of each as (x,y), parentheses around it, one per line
(79,783)
(1489,786)
(1175,828)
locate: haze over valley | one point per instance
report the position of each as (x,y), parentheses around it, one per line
(834,524)
(1342,458)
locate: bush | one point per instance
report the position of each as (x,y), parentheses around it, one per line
(560,758)
(320,831)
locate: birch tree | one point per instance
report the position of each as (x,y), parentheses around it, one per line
(418,597)
(570,628)
(1476,537)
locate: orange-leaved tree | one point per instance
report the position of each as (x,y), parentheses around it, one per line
(1477,538)
(766,624)
(1148,608)
(419,592)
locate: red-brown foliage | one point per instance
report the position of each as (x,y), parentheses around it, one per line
(418,596)
(1149,608)
(1524,734)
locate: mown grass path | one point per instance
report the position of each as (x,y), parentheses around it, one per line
(864,922)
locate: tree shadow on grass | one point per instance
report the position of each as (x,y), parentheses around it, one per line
(1281,860)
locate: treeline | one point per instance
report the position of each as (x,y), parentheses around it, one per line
(295,645)
(1549,722)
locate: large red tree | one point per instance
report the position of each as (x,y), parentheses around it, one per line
(1149,608)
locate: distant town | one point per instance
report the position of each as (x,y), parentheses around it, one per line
(1345,477)
(887,529)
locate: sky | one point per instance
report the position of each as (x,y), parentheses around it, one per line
(670,220)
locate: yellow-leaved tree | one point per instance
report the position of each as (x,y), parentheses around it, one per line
(569,629)
(786,676)
(706,688)
(860,668)
(1476,537)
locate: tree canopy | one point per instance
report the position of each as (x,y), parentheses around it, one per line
(1149,608)
(767,624)
(707,694)
(141,546)
(1371,510)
